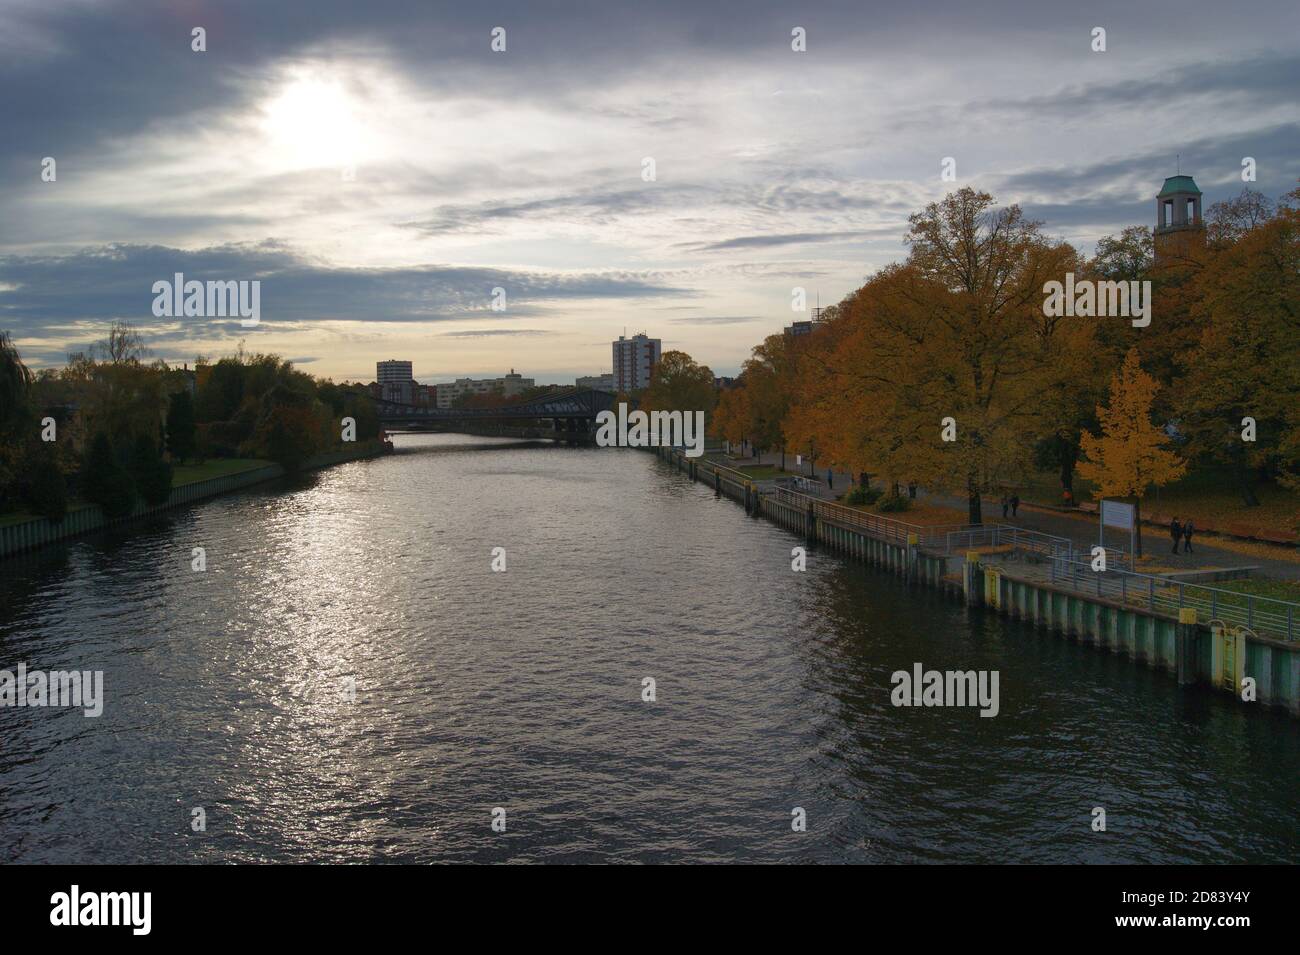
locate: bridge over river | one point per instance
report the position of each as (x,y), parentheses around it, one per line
(569,415)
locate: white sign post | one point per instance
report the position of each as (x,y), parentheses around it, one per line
(1118,514)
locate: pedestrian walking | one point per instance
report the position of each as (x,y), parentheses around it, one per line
(1188,529)
(1176,532)
(1005,504)
(830,482)
(911,490)
(1015,504)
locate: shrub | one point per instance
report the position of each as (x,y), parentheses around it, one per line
(895,502)
(862,495)
(288,434)
(104,481)
(152,475)
(45,491)
(181,431)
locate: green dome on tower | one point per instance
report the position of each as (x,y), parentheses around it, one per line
(1178,184)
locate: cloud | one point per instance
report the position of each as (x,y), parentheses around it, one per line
(766,241)
(38,294)
(716,320)
(493,332)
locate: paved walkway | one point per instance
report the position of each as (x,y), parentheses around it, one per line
(1080,528)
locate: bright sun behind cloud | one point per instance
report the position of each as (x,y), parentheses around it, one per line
(313,122)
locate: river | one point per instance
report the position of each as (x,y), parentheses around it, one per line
(228,690)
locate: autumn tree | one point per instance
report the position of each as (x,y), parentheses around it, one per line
(1131,454)
(1245,365)
(960,330)
(679,383)
(767,377)
(732,416)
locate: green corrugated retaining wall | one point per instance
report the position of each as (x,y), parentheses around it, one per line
(1145,637)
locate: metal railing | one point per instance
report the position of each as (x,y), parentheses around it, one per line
(1007,535)
(1263,615)
(946,538)
(883,528)
(731,474)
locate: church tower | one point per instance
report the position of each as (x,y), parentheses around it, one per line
(1179,227)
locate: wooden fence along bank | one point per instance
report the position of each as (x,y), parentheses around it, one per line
(1181,639)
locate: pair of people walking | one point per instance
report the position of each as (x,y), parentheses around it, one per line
(1181,532)
(1012,502)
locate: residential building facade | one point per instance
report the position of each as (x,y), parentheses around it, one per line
(509,385)
(634,361)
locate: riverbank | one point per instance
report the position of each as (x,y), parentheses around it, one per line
(19,536)
(1202,635)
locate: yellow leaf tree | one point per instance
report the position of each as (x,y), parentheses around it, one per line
(1131,454)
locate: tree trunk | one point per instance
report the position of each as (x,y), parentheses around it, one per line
(974,500)
(1067,476)
(1243,479)
(1137,526)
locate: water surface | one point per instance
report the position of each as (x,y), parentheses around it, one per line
(226,690)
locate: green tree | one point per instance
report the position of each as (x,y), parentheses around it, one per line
(152,475)
(15,380)
(104,481)
(181,427)
(45,491)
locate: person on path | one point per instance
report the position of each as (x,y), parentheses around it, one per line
(1188,529)
(1005,505)
(1176,532)
(1015,504)
(830,482)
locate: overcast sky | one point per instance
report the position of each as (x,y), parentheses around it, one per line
(523,170)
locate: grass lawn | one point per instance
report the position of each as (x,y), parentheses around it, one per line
(215,468)
(1277,589)
(927,515)
(762,472)
(186,474)
(1208,496)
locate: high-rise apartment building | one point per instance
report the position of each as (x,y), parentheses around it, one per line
(634,360)
(396,381)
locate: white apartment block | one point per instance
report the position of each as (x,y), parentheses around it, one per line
(634,359)
(509,385)
(396,381)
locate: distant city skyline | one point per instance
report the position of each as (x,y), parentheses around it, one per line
(383,176)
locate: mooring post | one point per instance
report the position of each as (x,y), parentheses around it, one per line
(717,483)
(1185,646)
(810,525)
(912,541)
(973,580)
